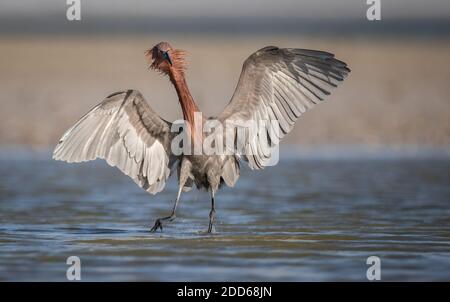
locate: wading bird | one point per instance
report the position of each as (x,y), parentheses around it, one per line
(275,84)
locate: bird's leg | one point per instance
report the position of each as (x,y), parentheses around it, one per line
(160,221)
(212,214)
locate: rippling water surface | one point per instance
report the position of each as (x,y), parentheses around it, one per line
(303,220)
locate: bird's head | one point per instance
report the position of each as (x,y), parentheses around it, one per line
(162,57)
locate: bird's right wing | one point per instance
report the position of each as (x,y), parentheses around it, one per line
(127,133)
(279,84)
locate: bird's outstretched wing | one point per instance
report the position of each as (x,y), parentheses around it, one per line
(280,84)
(127,133)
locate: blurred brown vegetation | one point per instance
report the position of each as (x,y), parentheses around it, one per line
(397,94)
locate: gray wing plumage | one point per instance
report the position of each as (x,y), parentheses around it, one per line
(127,133)
(280,84)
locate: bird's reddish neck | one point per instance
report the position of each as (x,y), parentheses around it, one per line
(187,103)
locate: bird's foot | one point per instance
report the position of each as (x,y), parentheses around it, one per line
(160,222)
(212,218)
(158,225)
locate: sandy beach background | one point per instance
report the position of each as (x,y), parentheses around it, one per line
(397,94)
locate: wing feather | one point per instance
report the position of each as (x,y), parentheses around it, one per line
(280,84)
(128,134)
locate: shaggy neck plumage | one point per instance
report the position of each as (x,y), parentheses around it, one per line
(187,103)
(175,71)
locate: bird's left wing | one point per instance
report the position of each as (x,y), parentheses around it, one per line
(127,133)
(279,84)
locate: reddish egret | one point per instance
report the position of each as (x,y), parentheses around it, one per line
(275,84)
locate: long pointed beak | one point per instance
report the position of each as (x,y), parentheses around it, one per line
(167,57)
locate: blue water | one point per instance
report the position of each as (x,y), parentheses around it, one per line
(302,220)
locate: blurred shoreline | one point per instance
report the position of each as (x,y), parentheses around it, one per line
(287,152)
(396,94)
